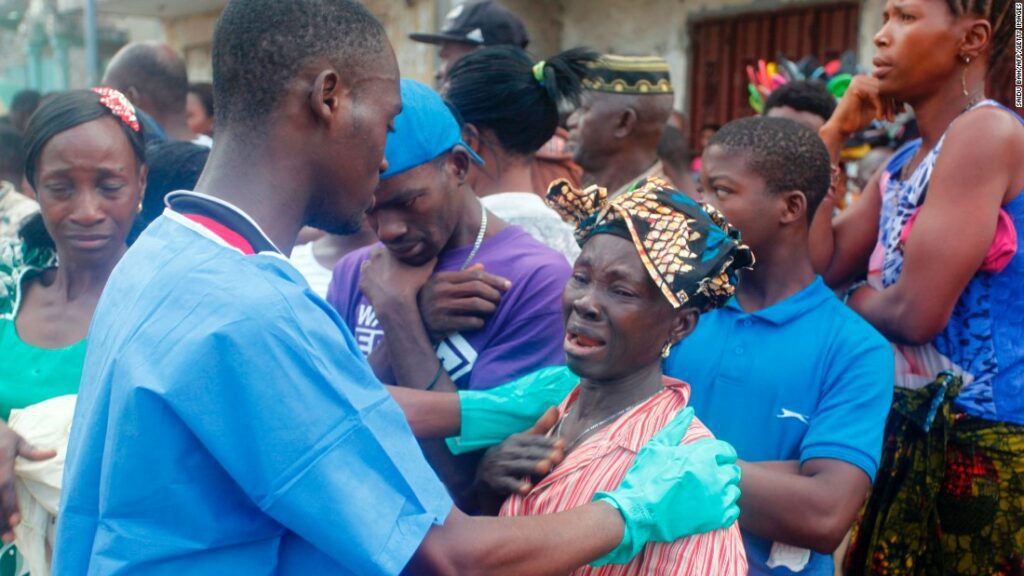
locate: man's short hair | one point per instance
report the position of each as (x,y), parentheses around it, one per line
(260,45)
(155,71)
(803,96)
(787,155)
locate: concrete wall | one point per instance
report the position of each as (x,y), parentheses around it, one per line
(622,26)
(415,60)
(192,36)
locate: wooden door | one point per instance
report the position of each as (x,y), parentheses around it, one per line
(723,47)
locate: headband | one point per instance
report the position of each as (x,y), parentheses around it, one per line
(119,106)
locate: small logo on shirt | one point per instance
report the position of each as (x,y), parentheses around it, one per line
(457,355)
(368,332)
(784,413)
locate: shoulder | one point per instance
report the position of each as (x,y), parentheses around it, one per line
(985,138)
(523,255)
(345,276)
(16,261)
(849,341)
(350,263)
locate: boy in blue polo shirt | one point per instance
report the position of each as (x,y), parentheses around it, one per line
(785,372)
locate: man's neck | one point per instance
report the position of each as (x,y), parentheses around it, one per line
(263,185)
(175,126)
(468,227)
(624,168)
(781,271)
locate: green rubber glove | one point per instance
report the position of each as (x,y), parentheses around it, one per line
(491,416)
(673,491)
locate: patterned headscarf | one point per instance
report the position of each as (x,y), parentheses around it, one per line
(689,249)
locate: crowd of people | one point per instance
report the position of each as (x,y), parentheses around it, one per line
(318,318)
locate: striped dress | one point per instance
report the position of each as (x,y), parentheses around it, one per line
(600,463)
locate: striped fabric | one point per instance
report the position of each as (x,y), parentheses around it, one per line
(600,463)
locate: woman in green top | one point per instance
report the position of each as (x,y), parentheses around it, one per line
(85,160)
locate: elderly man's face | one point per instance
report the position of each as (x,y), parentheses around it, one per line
(592,129)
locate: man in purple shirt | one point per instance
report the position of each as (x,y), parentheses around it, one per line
(421,305)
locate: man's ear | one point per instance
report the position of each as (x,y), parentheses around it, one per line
(328,99)
(625,123)
(458,164)
(793,205)
(132,94)
(684,322)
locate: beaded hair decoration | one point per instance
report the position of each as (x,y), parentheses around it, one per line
(119,105)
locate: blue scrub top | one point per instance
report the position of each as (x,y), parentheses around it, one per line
(227,424)
(805,378)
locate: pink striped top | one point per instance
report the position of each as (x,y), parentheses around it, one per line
(600,463)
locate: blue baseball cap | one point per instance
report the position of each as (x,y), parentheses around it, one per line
(423,131)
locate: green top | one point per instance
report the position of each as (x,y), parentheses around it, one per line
(31,375)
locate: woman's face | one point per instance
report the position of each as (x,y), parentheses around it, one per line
(199,122)
(616,320)
(89,185)
(917,48)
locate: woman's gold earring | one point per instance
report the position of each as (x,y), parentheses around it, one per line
(666,350)
(963,77)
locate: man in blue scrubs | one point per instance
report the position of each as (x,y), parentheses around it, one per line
(228,424)
(785,371)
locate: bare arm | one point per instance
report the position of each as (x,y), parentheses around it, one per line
(671,491)
(952,233)
(550,544)
(844,244)
(812,507)
(431,415)
(840,249)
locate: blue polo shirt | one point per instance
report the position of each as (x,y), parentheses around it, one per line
(805,378)
(228,424)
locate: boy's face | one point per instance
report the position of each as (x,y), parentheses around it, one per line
(727,183)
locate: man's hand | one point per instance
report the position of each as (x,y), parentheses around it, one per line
(11,446)
(460,301)
(386,281)
(673,491)
(513,465)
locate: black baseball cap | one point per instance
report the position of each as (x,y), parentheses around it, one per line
(484,23)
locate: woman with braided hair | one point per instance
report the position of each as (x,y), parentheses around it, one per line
(937,235)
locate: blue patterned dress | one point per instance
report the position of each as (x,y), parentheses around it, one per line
(949,495)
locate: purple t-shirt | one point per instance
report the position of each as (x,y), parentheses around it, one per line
(524,334)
